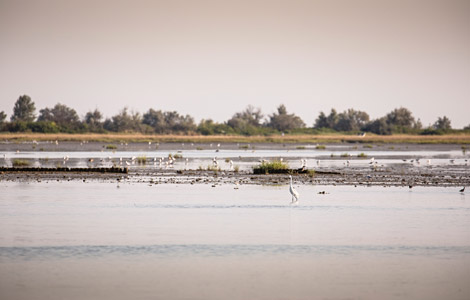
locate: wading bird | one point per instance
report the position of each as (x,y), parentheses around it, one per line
(462,190)
(293,192)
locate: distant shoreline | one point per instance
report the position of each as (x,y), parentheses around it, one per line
(288,139)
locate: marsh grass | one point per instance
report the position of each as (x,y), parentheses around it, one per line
(142,160)
(111,147)
(300,147)
(320,147)
(274,167)
(21,163)
(463,138)
(362,155)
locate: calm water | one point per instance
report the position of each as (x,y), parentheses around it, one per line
(70,240)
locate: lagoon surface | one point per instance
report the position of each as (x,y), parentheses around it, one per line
(95,240)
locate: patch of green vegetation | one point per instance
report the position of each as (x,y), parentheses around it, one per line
(332,155)
(274,167)
(345,155)
(320,147)
(362,155)
(300,147)
(111,147)
(311,172)
(142,160)
(199,148)
(243,147)
(367,146)
(227,160)
(177,156)
(213,168)
(391,147)
(21,163)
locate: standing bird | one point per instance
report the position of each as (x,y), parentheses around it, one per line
(462,190)
(293,192)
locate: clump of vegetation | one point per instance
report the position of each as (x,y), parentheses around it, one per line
(332,155)
(227,160)
(111,147)
(274,167)
(391,148)
(300,147)
(362,155)
(21,163)
(345,155)
(199,148)
(320,147)
(367,146)
(213,168)
(464,149)
(243,147)
(177,156)
(236,169)
(142,160)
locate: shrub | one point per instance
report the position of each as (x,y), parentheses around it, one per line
(21,163)
(274,167)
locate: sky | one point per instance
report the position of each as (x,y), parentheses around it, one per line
(211,59)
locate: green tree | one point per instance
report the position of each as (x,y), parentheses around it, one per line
(124,121)
(209,127)
(169,121)
(378,126)
(93,120)
(401,120)
(283,121)
(442,124)
(3,117)
(321,121)
(247,122)
(65,117)
(351,120)
(24,110)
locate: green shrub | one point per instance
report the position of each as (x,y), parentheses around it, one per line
(21,163)
(111,147)
(273,167)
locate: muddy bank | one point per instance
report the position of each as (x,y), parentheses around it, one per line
(448,177)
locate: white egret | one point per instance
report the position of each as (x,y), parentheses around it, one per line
(293,192)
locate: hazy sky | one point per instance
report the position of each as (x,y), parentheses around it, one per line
(211,59)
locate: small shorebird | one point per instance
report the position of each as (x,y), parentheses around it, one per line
(462,190)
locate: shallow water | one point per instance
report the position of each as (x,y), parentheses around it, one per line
(74,240)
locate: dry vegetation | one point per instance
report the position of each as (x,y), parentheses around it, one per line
(332,138)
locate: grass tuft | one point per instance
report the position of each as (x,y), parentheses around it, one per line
(274,167)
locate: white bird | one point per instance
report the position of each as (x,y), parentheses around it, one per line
(231,164)
(293,192)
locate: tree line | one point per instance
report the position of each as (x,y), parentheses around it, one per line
(250,121)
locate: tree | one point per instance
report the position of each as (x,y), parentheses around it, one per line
(251,116)
(170,121)
(65,117)
(442,124)
(283,121)
(93,120)
(378,126)
(24,110)
(124,121)
(247,122)
(351,120)
(3,117)
(401,120)
(321,121)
